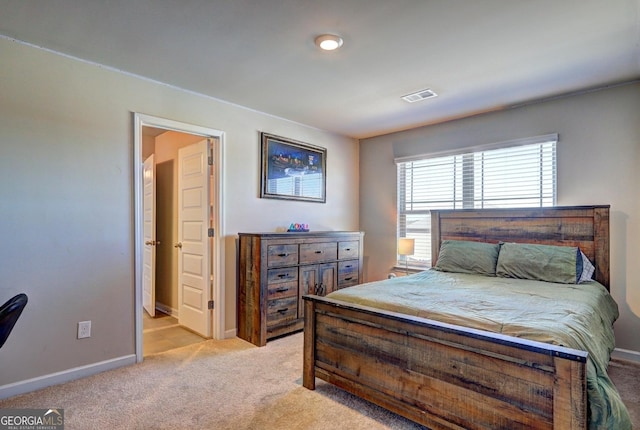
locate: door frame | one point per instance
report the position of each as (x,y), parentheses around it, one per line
(217,263)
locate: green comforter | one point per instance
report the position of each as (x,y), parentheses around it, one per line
(578,316)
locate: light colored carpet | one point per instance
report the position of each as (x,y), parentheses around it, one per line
(228,384)
(626,377)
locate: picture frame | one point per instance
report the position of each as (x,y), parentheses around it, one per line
(292,170)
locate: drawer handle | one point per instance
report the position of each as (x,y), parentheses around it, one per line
(347,249)
(283,310)
(283,275)
(284,254)
(349,278)
(281,290)
(348,266)
(318,252)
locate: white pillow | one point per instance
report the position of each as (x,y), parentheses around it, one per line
(587,269)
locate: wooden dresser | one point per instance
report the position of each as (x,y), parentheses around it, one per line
(277,269)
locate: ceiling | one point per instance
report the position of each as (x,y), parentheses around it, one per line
(477,56)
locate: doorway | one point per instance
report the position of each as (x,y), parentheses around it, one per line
(169,285)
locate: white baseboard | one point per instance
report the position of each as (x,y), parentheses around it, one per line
(229,334)
(625,354)
(29,385)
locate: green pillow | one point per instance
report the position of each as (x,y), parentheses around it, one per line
(462,256)
(539,262)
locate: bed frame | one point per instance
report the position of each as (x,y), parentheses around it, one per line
(445,376)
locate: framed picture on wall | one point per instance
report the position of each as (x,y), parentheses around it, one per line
(292,170)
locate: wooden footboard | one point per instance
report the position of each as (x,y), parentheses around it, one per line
(440,375)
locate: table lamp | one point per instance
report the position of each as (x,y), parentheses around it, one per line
(406,247)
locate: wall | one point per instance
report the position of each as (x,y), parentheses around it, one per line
(598,157)
(66,201)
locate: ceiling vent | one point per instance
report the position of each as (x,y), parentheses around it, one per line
(419,95)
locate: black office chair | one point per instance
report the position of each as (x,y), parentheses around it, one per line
(9,314)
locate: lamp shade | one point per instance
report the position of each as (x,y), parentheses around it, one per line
(405,246)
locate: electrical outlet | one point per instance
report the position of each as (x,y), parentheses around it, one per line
(84,329)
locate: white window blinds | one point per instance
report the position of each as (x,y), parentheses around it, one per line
(520,174)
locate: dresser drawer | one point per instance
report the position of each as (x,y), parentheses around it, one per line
(282,289)
(318,251)
(282,310)
(282,255)
(350,249)
(284,274)
(348,273)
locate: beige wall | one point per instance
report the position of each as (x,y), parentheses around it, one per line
(66,200)
(598,163)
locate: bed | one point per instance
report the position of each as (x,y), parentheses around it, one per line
(448,373)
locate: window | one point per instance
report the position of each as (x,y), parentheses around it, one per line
(513,174)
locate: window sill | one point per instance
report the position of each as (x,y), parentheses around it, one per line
(411,269)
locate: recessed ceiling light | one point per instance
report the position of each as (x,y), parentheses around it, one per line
(419,95)
(329,42)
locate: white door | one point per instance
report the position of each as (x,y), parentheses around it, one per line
(149,235)
(194,273)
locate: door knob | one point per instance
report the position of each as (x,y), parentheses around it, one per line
(178,245)
(148,242)
(152,242)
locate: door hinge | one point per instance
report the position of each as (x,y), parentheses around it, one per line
(210,151)
(211,232)
(210,304)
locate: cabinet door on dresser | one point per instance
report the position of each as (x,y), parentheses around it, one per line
(318,279)
(328,276)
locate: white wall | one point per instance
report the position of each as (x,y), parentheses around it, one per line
(598,163)
(66,200)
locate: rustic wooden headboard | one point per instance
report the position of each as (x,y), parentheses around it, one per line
(584,226)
